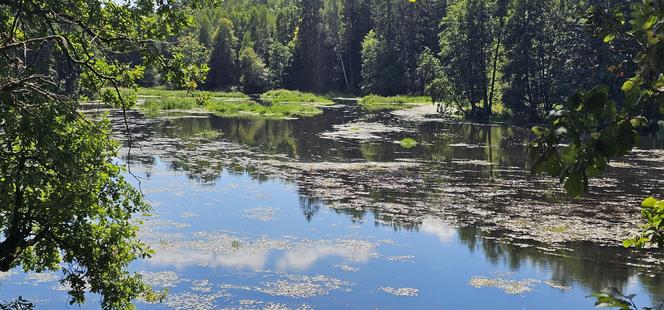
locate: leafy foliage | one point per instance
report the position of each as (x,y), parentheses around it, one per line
(595,127)
(64,204)
(17,304)
(613,298)
(608,129)
(652,233)
(591,124)
(254,76)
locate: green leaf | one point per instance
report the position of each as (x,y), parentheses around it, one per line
(628,243)
(538,131)
(639,121)
(569,155)
(648,23)
(628,85)
(649,202)
(609,37)
(575,185)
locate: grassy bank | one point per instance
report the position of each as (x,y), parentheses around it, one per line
(278,103)
(167,93)
(283,96)
(373,103)
(253,109)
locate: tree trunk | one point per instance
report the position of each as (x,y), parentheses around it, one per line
(495,62)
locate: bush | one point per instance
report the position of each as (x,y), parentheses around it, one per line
(255,77)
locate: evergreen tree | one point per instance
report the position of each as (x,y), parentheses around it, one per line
(223,72)
(356,25)
(204,33)
(312,59)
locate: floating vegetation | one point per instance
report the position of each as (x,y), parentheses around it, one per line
(201,286)
(361,131)
(408,143)
(347,268)
(161,279)
(250,302)
(295,286)
(404,291)
(261,214)
(301,286)
(373,103)
(275,306)
(419,113)
(508,286)
(193,301)
(402,258)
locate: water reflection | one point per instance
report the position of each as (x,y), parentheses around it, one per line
(439,228)
(458,175)
(595,267)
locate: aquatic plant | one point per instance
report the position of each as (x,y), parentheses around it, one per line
(408,143)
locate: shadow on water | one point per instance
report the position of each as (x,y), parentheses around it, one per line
(594,267)
(472,176)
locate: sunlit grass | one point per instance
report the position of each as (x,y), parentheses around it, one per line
(253,109)
(280,96)
(153,106)
(161,92)
(374,103)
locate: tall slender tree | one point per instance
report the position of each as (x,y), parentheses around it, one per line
(222,64)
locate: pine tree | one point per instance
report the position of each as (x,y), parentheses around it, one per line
(222,64)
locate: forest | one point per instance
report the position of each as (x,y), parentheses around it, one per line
(499,60)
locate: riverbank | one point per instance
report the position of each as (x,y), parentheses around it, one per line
(274,104)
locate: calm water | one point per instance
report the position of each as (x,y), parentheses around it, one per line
(321,214)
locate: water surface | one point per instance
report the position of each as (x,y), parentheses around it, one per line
(332,212)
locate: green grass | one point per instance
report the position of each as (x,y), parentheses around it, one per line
(373,103)
(168,93)
(153,106)
(280,96)
(253,109)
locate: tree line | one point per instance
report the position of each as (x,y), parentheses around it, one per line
(486,58)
